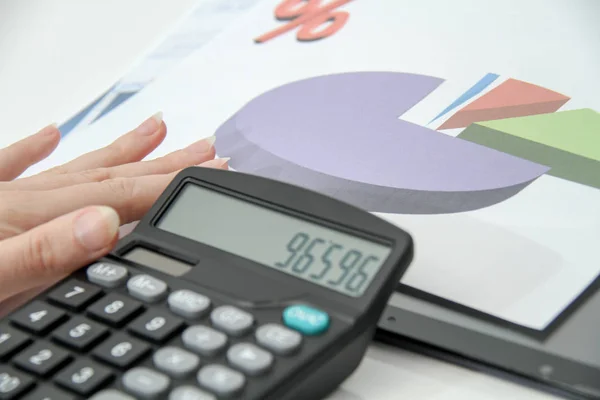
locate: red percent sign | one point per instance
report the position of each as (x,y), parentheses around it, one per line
(310,15)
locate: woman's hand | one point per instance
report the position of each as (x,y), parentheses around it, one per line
(57,221)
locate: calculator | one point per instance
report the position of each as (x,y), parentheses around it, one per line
(232,286)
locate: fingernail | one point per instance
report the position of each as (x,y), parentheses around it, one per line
(151,125)
(49,130)
(224,162)
(158,117)
(210,140)
(203,145)
(216,163)
(96,228)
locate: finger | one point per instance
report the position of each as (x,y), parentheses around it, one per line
(131,197)
(131,147)
(56,248)
(126,229)
(19,156)
(195,154)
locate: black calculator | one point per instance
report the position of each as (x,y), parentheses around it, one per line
(232,286)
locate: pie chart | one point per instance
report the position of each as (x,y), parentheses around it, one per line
(342,135)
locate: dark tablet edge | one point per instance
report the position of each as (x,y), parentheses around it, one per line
(519,364)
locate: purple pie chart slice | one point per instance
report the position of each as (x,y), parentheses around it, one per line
(343,133)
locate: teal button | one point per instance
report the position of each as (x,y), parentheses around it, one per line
(306,320)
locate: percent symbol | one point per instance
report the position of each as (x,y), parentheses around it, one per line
(310,16)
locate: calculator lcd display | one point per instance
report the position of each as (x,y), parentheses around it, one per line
(315,253)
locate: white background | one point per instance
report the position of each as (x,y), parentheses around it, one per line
(56,56)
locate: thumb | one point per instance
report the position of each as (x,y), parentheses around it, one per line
(55,249)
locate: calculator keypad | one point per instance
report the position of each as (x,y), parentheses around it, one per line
(176,362)
(13,383)
(204,340)
(278,339)
(147,288)
(111,394)
(157,326)
(188,304)
(11,341)
(190,393)
(115,309)
(80,333)
(146,383)
(38,317)
(84,377)
(42,358)
(121,350)
(222,380)
(47,392)
(232,320)
(249,358)
(74,294)
(107,274)
(144,340)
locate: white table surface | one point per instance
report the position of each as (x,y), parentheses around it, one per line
(58,55)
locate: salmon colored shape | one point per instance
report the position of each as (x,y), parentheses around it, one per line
(311,16)
(512,98)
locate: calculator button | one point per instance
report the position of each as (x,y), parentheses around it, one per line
(13,383)
(84,377)
(121,350)
(221,380)
(306,320)
(156,325)
(204,340)
(38,317)
(146,383)
(190,393)
(107,274)
(74,294)
(111,394)
(46,392)
(188,304)
(42,358)
(11,341)
(146,288)
(232,320)
(115,309)
(249,358)
(80,333)
(278,339)
(176,362)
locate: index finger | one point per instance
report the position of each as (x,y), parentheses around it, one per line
(130,197)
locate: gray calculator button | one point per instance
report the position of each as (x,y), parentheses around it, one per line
(145,383)
(188,304)
(249,358)
(146,288)
(221,380)
(111,394)
(176,362)
(203,340)
(278,339)
(232,320)
(190,393)
(107,275)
